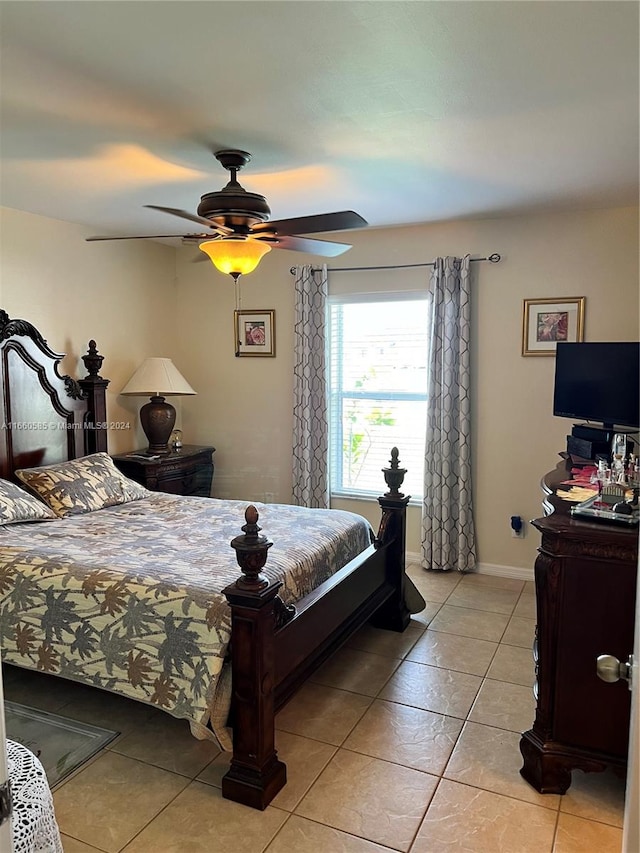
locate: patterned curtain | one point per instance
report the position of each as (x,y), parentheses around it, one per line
(310,409)
(448,534)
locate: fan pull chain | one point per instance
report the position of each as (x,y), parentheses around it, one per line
(238,304)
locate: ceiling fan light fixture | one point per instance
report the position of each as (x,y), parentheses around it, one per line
(235,256)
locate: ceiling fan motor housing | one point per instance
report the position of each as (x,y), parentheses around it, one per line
(233,206)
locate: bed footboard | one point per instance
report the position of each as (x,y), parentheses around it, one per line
(274,648)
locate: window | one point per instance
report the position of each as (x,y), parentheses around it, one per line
(378,347)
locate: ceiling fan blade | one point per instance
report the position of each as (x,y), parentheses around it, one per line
(184,214)
(151,237)
(306,244)
(339,221)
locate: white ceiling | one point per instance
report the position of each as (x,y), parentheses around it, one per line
(406,112)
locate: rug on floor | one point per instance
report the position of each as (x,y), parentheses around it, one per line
(60,743)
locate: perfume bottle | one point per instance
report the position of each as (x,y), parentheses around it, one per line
(619,445)
(601,477)
(618,472)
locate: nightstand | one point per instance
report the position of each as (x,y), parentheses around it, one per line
(187,471)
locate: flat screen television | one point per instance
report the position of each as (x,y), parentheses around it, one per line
(598,382)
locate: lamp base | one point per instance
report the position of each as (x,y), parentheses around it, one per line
(158,419)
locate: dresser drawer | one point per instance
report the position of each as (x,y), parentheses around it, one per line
(188,471)
(181,483)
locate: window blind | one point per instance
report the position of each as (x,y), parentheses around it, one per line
(378,349)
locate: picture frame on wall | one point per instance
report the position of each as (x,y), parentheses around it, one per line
(255,333)
(546,322)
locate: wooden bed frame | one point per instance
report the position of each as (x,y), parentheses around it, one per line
(48,418)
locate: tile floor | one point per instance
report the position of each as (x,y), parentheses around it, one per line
(402,742)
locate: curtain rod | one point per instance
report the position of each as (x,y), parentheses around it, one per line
(493,259)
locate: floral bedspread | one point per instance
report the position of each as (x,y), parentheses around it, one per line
(128,598)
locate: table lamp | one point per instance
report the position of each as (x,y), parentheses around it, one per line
(158,378)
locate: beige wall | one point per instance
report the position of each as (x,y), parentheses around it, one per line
(118,293)
(244,404)
(135,300)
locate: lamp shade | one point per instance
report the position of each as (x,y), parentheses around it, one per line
(235,256)
(157,378)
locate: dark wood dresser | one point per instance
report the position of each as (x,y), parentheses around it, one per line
(585,577)
(187,471)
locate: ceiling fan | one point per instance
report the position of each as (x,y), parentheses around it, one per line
(239,230)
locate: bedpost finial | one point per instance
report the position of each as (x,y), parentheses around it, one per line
(251,552)
(93,360)
(394,475)
(251,517)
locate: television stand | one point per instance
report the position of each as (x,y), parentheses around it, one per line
(606,432)
(591,432)
(588,441)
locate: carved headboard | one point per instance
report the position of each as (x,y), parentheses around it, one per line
(45,417)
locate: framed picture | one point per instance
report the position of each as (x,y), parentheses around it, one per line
(545,322)
(255,333)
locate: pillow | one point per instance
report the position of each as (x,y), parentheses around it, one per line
(82,485)
(17,506)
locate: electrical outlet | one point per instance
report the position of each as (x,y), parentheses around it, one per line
(517,527)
